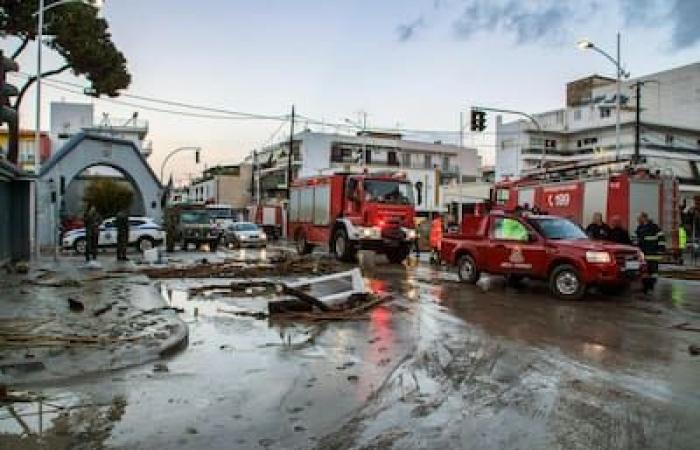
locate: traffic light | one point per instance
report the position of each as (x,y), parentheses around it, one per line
(7,114)
(478,120)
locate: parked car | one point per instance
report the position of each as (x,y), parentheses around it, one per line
(144,234)
(245,234)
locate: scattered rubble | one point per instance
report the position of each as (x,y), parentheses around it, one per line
(287,265)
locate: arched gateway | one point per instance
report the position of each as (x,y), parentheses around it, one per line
(87,150)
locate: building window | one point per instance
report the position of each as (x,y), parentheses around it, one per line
(368,156)
(577,114)
(550,143)
(392,159)
(406,159)
(445,163)
(578,143)
(605,113)
(669,139)
(427,162)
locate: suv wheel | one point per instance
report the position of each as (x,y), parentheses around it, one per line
(145,243)
(467,270)
(80,245)
(566,284)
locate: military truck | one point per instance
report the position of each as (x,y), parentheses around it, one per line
(193,225)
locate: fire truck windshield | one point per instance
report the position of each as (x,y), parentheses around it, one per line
(388,191)
(557,228)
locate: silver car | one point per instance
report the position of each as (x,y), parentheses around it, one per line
(245,234)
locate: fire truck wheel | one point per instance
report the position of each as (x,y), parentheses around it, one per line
(342,248)
(565,283)
(303,247)
(397,255)
(467,270)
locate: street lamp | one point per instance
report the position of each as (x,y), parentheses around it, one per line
(586,44)
(39,39)
(196,150)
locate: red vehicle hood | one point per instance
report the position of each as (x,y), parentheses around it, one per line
(589,244)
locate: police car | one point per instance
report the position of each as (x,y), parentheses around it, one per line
(144,233)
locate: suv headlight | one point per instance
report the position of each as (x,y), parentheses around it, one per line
(598,257)
(410,234)
(262,235)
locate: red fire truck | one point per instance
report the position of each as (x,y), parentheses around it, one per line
(268,217)
(625,194)
(349,212)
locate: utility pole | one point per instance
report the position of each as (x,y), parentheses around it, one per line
(637,113)
(637,118)
(290,155)
(461,128)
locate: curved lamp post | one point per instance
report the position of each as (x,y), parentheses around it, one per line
(196,151)
(586,44)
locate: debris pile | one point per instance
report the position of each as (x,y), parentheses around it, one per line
(338,296)
(283,265)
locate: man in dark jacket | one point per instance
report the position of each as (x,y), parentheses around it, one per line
(651,241)
(598,229)
(122,223)
(618,234)
(92,232)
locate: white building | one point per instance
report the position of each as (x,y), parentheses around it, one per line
(584,130)
(432,164)
(68,119)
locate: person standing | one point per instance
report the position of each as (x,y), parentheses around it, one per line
(122,223)
(598,229)
(92,232)
(618,234)
(651,241)
(170,229)
(436,238)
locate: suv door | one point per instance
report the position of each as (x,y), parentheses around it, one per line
(513,250)
(108,233)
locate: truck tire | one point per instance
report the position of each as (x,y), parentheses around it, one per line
(467,271)
(342,247)
(303,247)
(565,283)
(397,255)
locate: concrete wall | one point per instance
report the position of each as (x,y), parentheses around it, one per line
(14,216)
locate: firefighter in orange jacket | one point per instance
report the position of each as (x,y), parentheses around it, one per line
(435,238)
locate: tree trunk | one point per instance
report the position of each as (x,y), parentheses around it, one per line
(13,141)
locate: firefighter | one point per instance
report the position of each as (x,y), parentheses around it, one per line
(618,234)
(170,230)
(92,232)
(650,240)
(598,229)
(122,223)
(435,238)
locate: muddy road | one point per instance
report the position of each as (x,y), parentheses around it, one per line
(441,366)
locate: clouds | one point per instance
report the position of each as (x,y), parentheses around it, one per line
(406,31)
(550,21)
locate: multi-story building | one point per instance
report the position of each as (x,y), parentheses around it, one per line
(585,130)
(229,185)
(427,165)
(68,119)
(26,145)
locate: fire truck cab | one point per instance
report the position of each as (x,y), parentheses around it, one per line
(350,212)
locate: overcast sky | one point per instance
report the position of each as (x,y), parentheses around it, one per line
(415,63)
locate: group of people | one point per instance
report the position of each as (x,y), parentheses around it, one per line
(650,240)
(93,221)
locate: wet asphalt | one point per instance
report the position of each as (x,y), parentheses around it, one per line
(443,366)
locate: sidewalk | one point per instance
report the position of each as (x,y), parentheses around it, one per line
(63,319)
